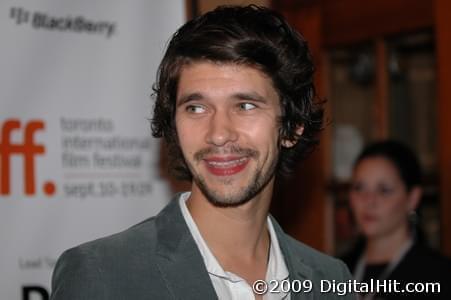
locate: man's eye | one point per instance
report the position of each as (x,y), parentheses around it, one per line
(195,109)
(247,106)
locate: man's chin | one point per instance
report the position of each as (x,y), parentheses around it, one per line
(227,202)
(222,196)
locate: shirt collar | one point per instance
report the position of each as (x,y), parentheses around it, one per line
(276,270)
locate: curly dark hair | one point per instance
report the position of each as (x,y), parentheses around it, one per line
(252,36)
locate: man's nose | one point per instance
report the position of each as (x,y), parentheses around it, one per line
(222,129)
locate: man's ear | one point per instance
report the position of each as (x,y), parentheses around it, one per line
(288,143)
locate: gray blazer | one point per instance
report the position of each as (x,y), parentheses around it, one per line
(159,259)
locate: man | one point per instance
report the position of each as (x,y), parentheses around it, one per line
(234,103)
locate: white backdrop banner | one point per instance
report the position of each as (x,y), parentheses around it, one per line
(77,161)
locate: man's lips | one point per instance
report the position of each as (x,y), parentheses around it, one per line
(225,166)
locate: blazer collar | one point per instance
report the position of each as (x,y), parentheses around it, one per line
(183,268)
(297,267)
(178,257)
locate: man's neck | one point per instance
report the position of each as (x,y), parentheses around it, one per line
(237,236)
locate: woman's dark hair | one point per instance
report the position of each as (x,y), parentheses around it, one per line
(252,36)
(400,156)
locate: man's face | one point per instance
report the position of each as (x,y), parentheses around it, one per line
(227,124)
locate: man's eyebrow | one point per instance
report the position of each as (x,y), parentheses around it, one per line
(189,97)
(250,96)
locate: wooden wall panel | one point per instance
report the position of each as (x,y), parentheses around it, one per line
(443,42)
(348,21)
(382,91)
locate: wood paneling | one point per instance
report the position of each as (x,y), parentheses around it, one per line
(443,42)
(382,86)
(349,21)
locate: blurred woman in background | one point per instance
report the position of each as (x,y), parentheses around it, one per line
(385,191)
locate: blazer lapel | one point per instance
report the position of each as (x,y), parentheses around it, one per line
(178,258)
(297,268)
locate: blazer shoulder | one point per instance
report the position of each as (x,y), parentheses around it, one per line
(88,270)
(140,235)
(327,267)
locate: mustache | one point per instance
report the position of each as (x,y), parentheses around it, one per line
(201,154)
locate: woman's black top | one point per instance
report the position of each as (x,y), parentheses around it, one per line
(419,265)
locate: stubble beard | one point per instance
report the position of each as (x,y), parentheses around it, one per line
(256,184)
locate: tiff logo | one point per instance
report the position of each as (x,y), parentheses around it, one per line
(27,149)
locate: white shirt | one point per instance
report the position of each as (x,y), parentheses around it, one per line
(227,284)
